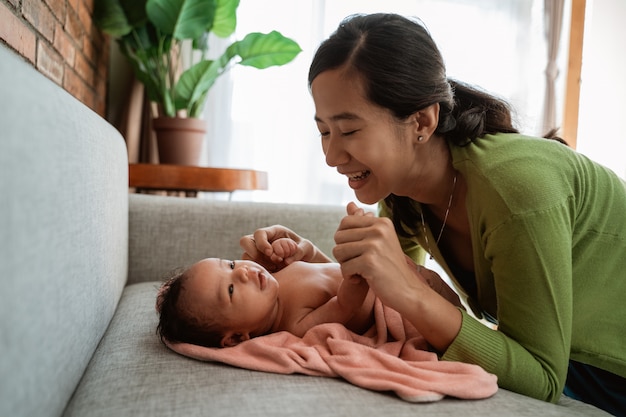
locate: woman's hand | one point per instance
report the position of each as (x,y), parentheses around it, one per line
(277,246)
(368,247)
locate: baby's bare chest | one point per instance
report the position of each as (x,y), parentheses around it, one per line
(308,288)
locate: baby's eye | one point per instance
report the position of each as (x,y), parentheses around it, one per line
(232,264)
(231,290)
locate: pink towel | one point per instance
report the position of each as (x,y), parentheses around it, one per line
(391,356)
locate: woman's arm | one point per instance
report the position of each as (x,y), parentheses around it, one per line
(434,281)
(368,246)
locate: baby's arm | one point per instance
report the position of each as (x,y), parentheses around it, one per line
(351,295)
(346,304)
(339,309)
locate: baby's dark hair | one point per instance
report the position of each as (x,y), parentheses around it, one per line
(176,324)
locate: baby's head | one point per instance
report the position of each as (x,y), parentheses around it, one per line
(216,302)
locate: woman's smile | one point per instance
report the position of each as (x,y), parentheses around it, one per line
(355,179)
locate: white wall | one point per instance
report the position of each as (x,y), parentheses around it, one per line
(601,134)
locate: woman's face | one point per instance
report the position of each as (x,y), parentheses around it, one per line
(363,141)
(240,295)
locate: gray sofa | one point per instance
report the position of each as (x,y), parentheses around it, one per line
(80,263)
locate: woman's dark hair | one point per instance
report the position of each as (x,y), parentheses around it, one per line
(176,324)
(402,70)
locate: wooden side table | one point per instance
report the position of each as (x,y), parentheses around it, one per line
(192,179)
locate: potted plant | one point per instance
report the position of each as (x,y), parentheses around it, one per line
(150,33)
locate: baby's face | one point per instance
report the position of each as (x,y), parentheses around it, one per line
(241,295)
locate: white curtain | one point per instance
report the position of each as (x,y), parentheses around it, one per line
(263,119)
(553,24)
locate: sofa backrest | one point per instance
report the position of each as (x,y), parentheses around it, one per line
(190,229)
(63,237)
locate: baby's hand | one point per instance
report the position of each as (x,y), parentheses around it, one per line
(283,248)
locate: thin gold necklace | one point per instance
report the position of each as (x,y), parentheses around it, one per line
(445,219)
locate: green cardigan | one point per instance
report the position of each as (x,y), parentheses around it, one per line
(548,231)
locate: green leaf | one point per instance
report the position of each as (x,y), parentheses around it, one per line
(195,83)
(142,71)
(109,16)
(256,49)
(148,29)
(145,41)
(225,21)
(201,43)
(187,83)
(119,17)
(183,19)
(135,12)
(261,50)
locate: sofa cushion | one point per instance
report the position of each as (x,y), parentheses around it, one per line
(63,239)
(133,374)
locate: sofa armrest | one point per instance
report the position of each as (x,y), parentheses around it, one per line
(167,232)
(63,236)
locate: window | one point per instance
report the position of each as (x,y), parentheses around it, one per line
(264,119)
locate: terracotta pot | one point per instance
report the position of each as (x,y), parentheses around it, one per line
(179,140)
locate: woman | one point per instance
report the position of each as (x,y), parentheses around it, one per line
(532,233)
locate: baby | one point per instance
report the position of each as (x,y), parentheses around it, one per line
(217,302)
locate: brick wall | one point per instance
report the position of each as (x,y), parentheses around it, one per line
(59,38)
